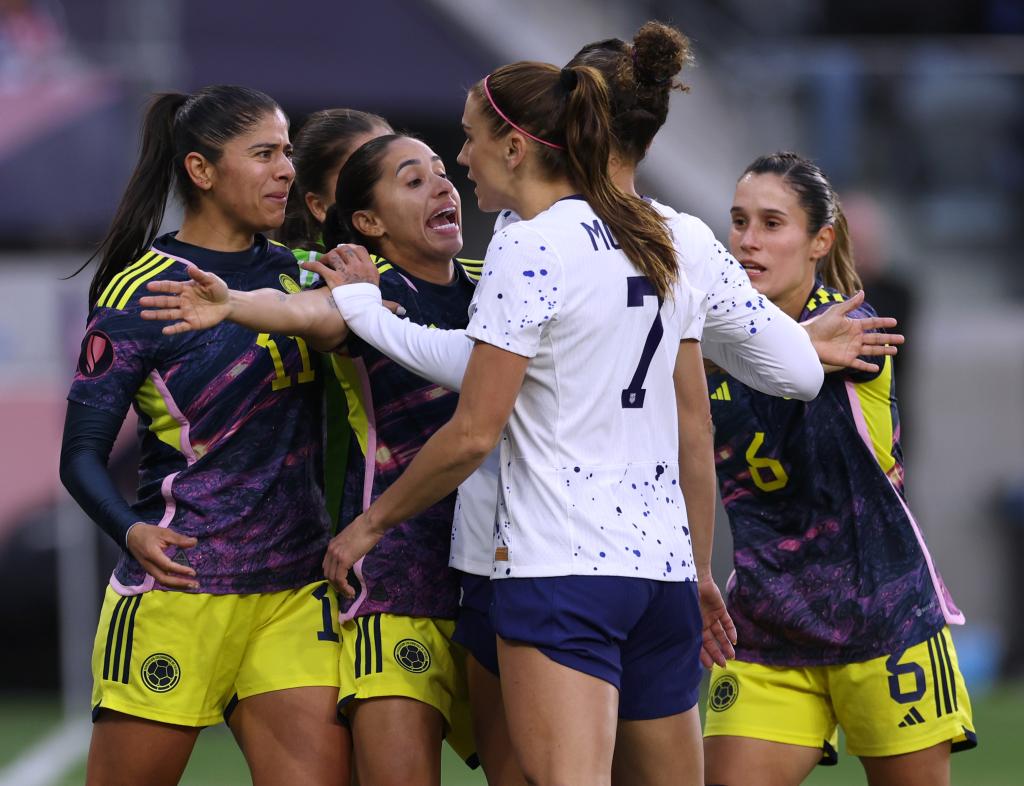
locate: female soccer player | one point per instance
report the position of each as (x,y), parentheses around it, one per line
(774,357)
(217,608)
(598,585)
(841,614)
(401,674)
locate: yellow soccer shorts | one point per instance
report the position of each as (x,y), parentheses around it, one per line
(413,657)
(184,658)
(887,706)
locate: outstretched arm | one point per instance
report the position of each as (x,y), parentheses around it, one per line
(205,300)
(449,457)
(842,341)
(440,356)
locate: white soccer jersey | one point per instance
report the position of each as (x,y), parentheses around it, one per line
(589,459)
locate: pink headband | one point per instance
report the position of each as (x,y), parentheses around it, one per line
(487,92)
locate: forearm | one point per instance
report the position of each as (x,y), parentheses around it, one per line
(89,435)
(779,360)
(440,356)
(697,478)
(312,315)
(448,458)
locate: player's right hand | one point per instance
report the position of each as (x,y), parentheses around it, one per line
(200,303)
(346,264)
(148,543)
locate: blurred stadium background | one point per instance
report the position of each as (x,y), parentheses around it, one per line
(915,109)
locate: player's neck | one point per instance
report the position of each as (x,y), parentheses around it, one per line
(623,176)
(212,232)
(436,270)
(537,196)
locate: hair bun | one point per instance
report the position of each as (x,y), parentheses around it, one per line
(659,52)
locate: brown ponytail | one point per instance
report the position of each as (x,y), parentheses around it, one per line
(821,204)
(569,110)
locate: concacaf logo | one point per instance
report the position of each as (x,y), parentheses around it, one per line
(412,656)
(160,672)
(724,692)
(289,284)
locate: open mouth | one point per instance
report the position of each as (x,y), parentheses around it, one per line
(444,221)
(752,267)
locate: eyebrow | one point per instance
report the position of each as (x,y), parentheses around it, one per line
(267,146)
(413,161)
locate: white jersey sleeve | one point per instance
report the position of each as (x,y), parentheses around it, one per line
(439,356)
(744,332)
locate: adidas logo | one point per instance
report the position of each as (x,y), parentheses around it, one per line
(912,718)
(721,393)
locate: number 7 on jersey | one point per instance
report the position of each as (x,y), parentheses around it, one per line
(637,288)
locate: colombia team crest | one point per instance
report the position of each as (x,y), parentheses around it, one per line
(160,672)
(412,656)
(97,354)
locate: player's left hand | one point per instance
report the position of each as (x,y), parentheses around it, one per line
(841,341)
(346,264)
(345,550)
(719,631)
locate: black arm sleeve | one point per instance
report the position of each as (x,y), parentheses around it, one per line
(89,435)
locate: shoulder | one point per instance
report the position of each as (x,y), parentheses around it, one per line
(473,268)
(128,286)
(824,297)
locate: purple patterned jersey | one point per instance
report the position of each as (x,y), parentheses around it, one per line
(830,565)
(393,413)
(229,422)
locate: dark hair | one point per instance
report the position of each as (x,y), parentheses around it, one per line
(175,125)
(324,139)
(573,114)
(640,79)
(821,205)
(354,192)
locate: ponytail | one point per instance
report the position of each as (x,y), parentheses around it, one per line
(639,229)
(141,210)
(836,267)
(567,111)
(820,203)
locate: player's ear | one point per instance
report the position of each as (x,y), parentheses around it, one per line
(515,150)
(368,223)
(316,206)
(200,171)
(822,242)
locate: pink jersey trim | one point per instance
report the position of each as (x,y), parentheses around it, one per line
(170,507)
(172,408)
(952,614)
(370,466)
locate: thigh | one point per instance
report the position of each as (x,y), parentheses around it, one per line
(293,641)
(126,751)
(661,669)
(660,752)
(293,736)
(732,761)
(397,741)
(490,728)
(908,701)
(779,716)
(561,721)
(928,767)
(388,656)
(170,657)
